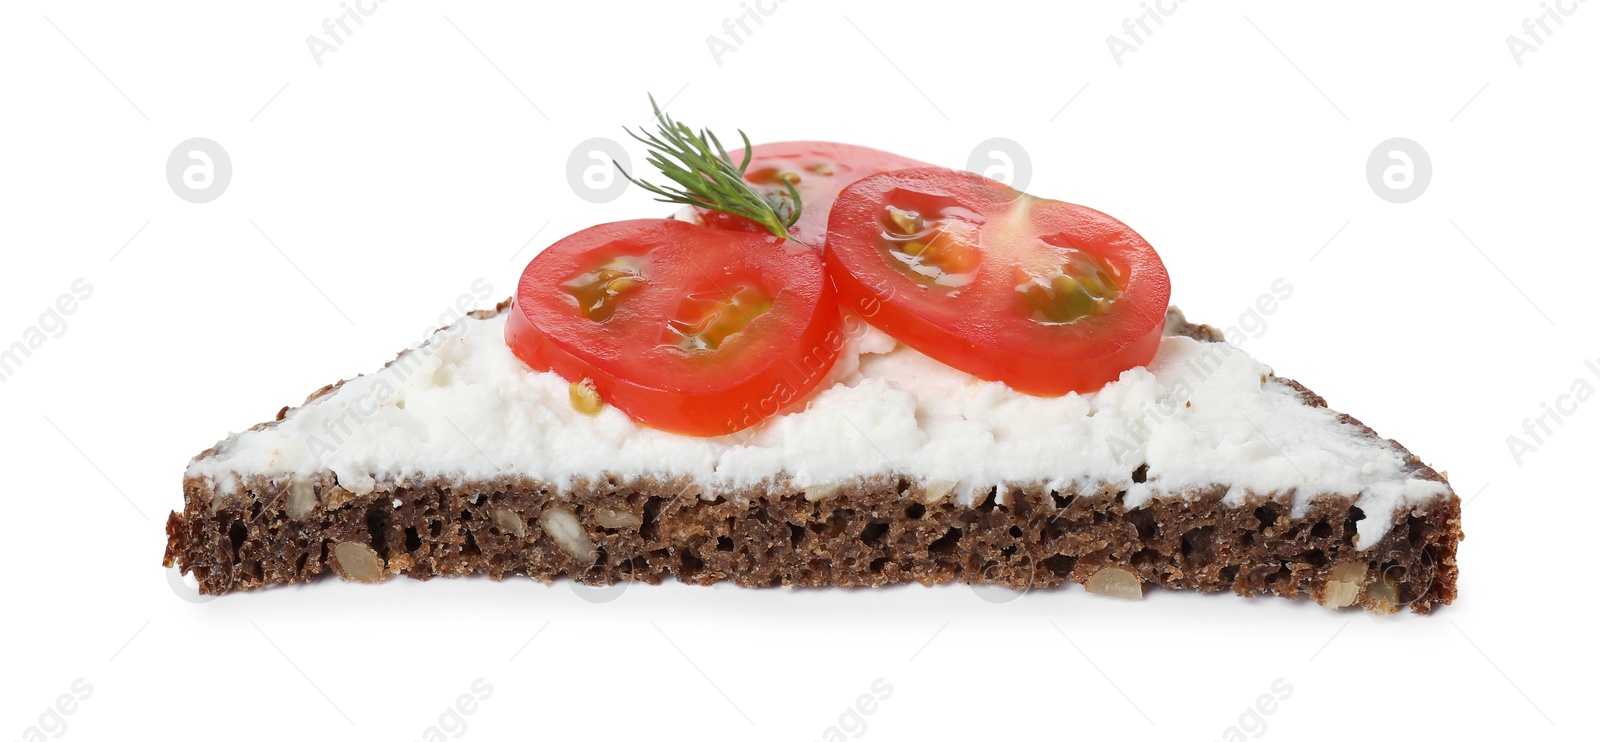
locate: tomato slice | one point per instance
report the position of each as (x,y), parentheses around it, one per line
(1046,296)
(818,170)
(684,328)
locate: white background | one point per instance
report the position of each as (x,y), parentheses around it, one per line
(430,150)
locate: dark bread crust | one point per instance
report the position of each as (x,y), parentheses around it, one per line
(871,532)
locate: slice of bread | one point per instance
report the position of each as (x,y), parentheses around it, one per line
(247,524)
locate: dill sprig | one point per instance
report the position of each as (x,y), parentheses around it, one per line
(707,177)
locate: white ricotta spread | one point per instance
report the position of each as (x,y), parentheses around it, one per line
(1200,414)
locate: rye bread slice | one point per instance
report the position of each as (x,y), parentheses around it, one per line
(873,531)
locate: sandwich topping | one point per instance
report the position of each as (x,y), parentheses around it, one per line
(681,325)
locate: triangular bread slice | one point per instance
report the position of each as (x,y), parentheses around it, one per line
(1203,471)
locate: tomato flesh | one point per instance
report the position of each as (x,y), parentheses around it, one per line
(818,170)
(1046,296)
(685,328)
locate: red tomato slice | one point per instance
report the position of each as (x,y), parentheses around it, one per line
(684,328)
(1046,296)
(818,170)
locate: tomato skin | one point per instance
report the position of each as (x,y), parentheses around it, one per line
(781,356)
(824,169)
(982,328)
